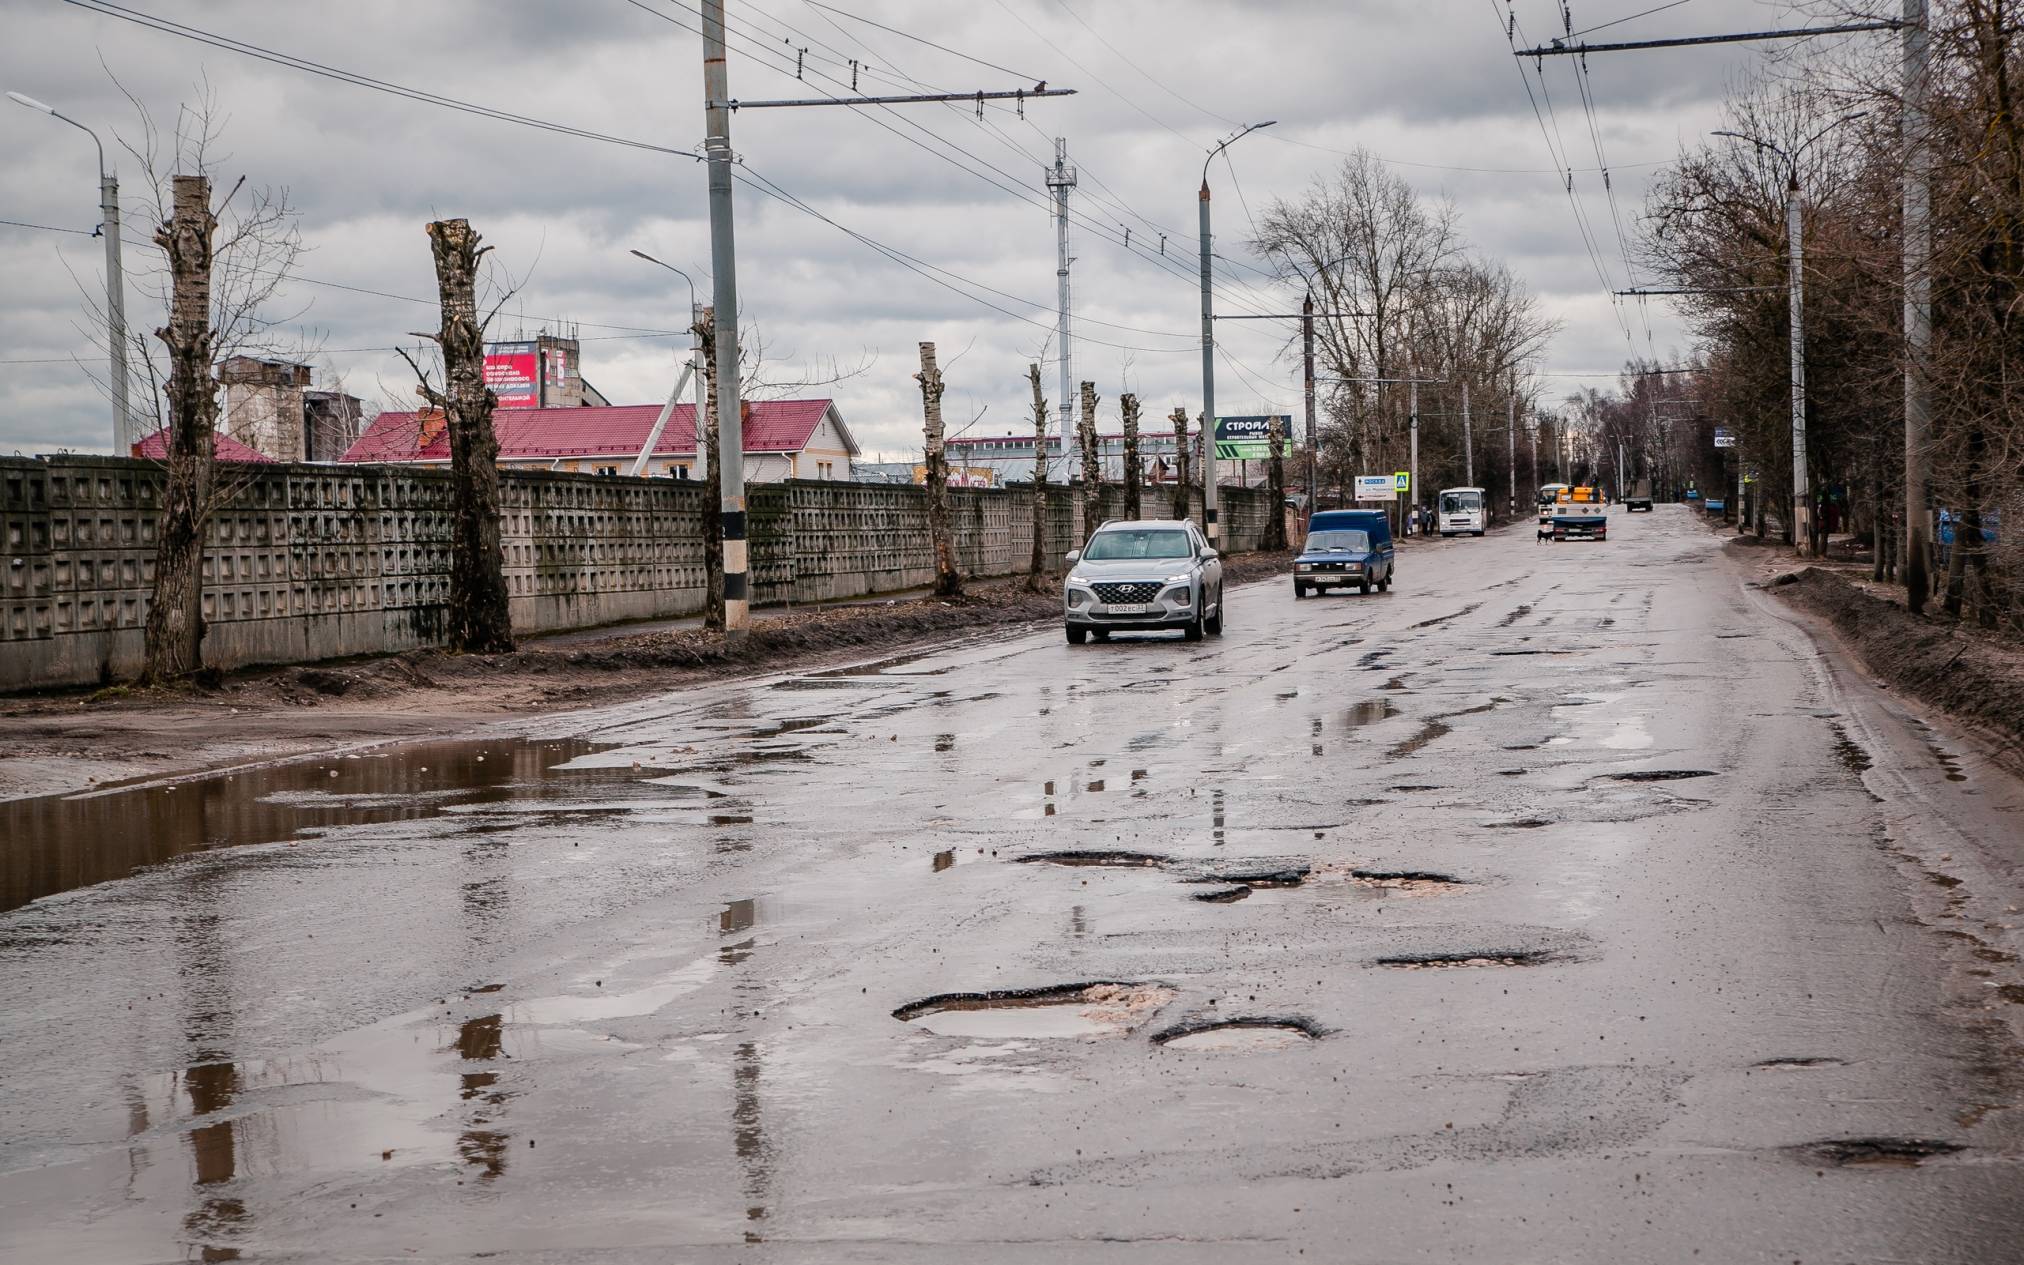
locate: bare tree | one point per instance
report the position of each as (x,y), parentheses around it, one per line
(1134,472)
(1092,465)
(1036,569)
(1184,506)
(480,617)
(175,624)
(1275,519)
(948,574)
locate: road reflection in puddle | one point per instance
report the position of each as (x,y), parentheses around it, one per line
(57,844)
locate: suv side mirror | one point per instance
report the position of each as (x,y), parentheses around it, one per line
(1074,556)
(1208,552)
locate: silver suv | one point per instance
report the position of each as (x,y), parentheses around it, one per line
(1149,574)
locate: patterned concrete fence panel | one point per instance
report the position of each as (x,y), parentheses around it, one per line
(308,562)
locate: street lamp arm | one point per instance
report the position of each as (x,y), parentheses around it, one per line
(22,98)
(1229,141)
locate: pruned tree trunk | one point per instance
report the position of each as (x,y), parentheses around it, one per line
(1092,465)
(1275,518)
(948,575)
(174,635)
(1184,505)
(480,620)
(713,507)
(1036,570)
(1134,473)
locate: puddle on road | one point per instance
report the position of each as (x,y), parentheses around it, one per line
(1223,895)
(1370,712)
(1659,775)
(1239,1035)
(1143,860)
(1390,880)
(1799,1064)
(56,844)
(1093,1010)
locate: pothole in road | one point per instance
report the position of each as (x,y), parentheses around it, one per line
(1659,775)
(1849,752)
(1104,1008)
(1799,1064)
(1450,961)
(1428,732)
(1520,823)
(1274,875)
(1894,1152)
(1223,896)
(1411,786)
(1239,1035)
(1406,880)
(1139,860)
(1396,683)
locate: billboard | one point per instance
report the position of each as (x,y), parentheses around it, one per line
(1250,438)
(513,371)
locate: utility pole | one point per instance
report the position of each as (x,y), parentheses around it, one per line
(1535,453)
(1511,442)
(1802,496)
(1061,179)
(1413,427)
(123,436)
(724,270)
(1468,442)
(1307,362)
(1918,316)
(1207,238)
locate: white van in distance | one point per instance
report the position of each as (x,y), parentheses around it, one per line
(1461,510)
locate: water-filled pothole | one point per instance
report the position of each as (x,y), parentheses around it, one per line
(1244,1034)
(1849,752)
(1273,875)
(1141,860)
(1370,712)
(1659,775)
(1446,961)
(1899,1152)
(1102,1008)
(1405,880)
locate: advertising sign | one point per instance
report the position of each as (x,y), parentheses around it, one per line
(512,370)
(1376,487)
(1250,438)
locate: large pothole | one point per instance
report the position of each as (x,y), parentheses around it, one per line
(1102,1008)
(1127,860)
(1452,961)
(1659,775)
(1897,1152)
(1251,1033)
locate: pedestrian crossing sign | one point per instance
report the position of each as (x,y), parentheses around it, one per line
(1402,481)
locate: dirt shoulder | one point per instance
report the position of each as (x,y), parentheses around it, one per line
(1973,675)
(65,742)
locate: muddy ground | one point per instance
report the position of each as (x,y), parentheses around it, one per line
(70,740)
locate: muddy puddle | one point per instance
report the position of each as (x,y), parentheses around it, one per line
(1370,712)
(59,843)
(1069,1011)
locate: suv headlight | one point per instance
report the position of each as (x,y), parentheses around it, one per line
(1077,582)
(1303,566)
(1175,579)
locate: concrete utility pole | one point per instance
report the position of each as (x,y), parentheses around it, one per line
(123,436)
(1061,178)
(1307,364)
(1413,428)
(724,268)
(1511,441)
(1918,315)
(1535,453)
(1209,343)
(1468,442)
(1802,495)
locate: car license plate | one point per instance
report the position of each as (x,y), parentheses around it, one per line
(1126,608)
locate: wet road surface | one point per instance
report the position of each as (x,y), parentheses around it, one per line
(1561,905)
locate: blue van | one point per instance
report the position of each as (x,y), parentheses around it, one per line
(1345,547)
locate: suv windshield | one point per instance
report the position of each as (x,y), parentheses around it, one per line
(1340,540)
(1118,546)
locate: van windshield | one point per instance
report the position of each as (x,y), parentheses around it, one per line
(1341,540)
(1118,546)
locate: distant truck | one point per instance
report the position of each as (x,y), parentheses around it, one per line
(1579,514)
(1639,497)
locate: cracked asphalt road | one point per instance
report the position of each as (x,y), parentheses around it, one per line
(1569,907)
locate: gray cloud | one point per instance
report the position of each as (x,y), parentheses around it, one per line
(1428,83)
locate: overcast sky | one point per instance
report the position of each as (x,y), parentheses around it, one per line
(1427,84)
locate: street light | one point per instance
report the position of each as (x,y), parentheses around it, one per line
(1209,343)
(695,367)
(123,437)
(1802,494)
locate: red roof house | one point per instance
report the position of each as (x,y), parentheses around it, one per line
(223,448)
(784,439)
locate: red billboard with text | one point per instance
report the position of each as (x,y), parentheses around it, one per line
(513,372)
